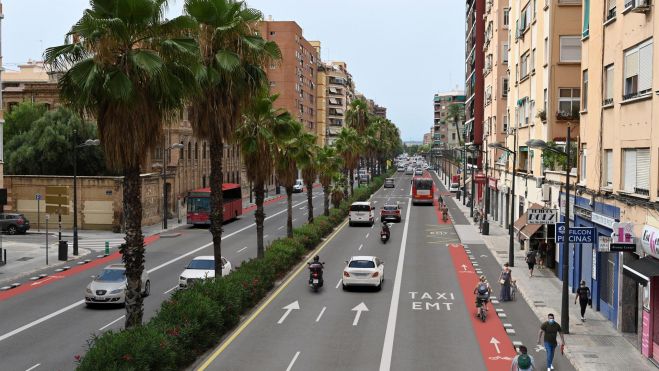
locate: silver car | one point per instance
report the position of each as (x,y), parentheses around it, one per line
(109,287)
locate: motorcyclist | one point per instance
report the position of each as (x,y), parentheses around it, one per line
(385,229)
(482,291)
(316,266)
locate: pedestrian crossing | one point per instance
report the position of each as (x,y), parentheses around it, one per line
(94,243)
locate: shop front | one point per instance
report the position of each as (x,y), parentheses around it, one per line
(493,209)
(529,235)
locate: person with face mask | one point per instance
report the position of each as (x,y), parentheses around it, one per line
(551,330)
(583,294)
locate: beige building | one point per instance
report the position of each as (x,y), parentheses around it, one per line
(2,121)
(339,92)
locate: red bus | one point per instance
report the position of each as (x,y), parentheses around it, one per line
(422,190)
(199,204)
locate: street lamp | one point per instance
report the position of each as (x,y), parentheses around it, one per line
(542,145)
(511,231)
(87,143)
(485,225)
(164,182)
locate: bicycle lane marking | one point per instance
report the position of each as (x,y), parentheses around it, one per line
(496,347)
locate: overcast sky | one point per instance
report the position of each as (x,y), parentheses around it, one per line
(399,52)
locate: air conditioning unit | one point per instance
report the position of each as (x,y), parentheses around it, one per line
(546,192)
(642,6)
(539,181)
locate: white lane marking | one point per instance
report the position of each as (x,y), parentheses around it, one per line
(77,303)
(388,346)
(290,365)
(303,207)
(111,323)
(367,234)
(294,220)
(338,284)
(33,367)
(280,228)
(266,236)
(360,247)
(170,290)
(321,314)
(359,309)
(241,250)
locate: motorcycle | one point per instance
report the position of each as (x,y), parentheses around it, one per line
(316,276)
(385,234)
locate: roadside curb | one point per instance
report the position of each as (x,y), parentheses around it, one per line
(83,254)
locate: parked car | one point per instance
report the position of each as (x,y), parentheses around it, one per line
(109,287)
(361,212)
(363,271)
(390,212)
(390,183)
(298,187)
(201,268)
(454,187)
(14,223)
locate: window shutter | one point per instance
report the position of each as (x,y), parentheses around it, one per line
(631,64)
(609,168)
(629,170)
(643,168)
(609,83)
(570,48)
(612,4)
(645,68)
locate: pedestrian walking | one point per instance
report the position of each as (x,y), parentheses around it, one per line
(551,329)
(523,361)
(530,261)
(504,279)
(583,294)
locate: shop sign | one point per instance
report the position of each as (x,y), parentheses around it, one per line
(602,220)
(542,216)
(577,234)
(562,206)
(622,238)
(650,241)
(480,178)
(493,183)
(583,213)
(604,245)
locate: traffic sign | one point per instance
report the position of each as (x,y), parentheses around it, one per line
(577,234)
(38,196)
(542,216)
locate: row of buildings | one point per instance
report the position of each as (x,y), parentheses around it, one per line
(317,93)
(538,69)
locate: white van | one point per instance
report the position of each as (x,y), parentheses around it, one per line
(361,212)
(298,187)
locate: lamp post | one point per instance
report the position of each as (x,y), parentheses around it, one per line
(485,226)
(565,310)
(511,231)
(164,182)
(87,143)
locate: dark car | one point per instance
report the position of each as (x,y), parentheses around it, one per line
(13,223)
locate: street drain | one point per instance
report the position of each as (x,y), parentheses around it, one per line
(590,356)
(25,258)
(539,303)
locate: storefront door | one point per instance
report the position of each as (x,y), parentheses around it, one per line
(608,290)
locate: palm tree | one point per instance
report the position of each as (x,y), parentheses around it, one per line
(308,159)
(349,145)
(286,166)
(329,168)
(358,118)
(233,57)
(122,65)
(255,137)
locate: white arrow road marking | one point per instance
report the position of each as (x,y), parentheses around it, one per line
(464,267)
(359,309)
(33,367)
(45,280)
(290,365)
(280,228)
(540,348)
(483,256)
(496,343)
(321,314)
(289,308)
(111,323)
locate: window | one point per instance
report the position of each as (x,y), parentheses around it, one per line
(523,158)
(504,53)
(488,95)
(189,150)
(570,48)
(524,19)
(611,9)
(196,151)
(203,152)
(636,171)
(506,17)
(505,123)
(504,88)
(608,85)
(181,154)
(568,103)
(546,56)
(638,70)
(544,101)
(524,66)
(584,89)
(583,164)
(586,18)
(608,168)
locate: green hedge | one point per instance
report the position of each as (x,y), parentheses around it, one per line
(193,321)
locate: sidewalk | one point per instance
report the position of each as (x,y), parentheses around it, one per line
(591,345)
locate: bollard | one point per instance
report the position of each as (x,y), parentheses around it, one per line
(107,248)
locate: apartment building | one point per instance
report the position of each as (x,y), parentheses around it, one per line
(447,130)
(427,139)
(2,121)
(334,97)
(474,80)
(294,77)
(618,175)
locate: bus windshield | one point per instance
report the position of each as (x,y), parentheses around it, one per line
(199,204)
(423,184)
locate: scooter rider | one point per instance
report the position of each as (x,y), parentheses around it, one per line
(482,291)
(385,229)
(316,266)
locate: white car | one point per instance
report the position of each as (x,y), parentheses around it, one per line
(109,287)
(409,171)
(454,187)
(361,212)
(201,268)
(298,187)
(363,271)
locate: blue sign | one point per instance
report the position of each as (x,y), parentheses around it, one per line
(38,196)
(577,234)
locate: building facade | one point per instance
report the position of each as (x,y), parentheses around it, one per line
(294,77)
(2,121)
(335,95)
(474,80)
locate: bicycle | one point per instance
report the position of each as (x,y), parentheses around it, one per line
(482,310)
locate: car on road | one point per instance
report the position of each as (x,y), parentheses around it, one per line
(363,271)
(454,187)
(363,178)
(361,212)
(418,171)
(409,171)
(14,223)
(390,183)
(390,212)
(401,169)
(109,287)
(201,268)
(298,187)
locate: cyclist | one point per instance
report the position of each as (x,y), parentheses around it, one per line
(482,291)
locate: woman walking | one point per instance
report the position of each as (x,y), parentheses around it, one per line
(504,279)
(583,294)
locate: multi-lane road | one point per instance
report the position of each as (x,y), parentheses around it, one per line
(422,319)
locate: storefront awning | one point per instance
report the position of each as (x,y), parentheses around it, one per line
(530,230)
(521,225)
(642,270)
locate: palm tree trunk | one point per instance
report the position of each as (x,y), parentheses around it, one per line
(133,250)
(259,216)
(310,202)
(326,196)
(217,201)
(352,182)
(289,207)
